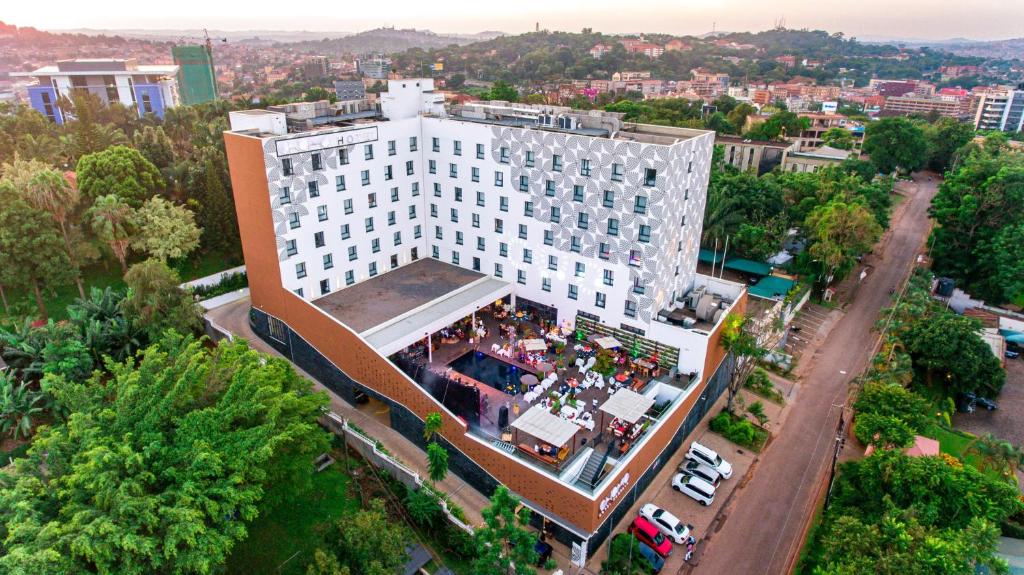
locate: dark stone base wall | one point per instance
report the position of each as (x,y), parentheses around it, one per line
(411,427)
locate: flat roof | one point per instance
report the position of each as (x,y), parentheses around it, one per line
(540,423)
(627,405)
(380,299)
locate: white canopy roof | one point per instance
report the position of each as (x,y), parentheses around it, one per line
(627,405)
(548,428)
(608,342)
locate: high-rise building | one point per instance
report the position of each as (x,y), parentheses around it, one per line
(366,239)
(377,67)
(1001,110)
(197,80)
(148,89)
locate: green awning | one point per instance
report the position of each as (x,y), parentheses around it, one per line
(748,266)
(771,287)
(709,257)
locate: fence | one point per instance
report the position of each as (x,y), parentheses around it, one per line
(369,450)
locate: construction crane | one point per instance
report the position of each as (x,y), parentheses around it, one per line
(207,41)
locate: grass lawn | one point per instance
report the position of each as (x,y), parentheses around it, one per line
(299,527)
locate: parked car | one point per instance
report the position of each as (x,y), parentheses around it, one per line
(700,469)
(653,559)
(1012,354)
(648,534)
(707,455)
(968,401)
(669,525)
(695,487)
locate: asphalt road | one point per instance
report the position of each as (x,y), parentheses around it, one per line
(765,521)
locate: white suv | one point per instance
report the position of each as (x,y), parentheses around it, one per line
(707,455)
(667,523)
(695,487)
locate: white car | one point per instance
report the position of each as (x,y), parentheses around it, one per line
(707,455)
(702,470)
(668,524)
(695,487)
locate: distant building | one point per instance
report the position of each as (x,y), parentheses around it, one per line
(677,46)
(377,68)
(904,105)
(148,89)
(812,161)
(1001,110)
(197,82)
(752,155)
(349,90)
(600,50)
(631,76)
(316,67)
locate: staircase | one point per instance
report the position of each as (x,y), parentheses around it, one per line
(592,470)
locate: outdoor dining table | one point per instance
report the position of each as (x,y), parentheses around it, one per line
(535,344)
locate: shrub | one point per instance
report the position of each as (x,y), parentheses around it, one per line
(423,507)
(759,383)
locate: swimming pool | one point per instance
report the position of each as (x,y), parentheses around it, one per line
(486,369)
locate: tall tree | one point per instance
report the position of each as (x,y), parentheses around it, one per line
(156,302)
(155,145)
(839,138)
(216,213)
(740,338)
(895,144)
(53,193)
(113,222)
(949,349)
(121,171)
(503,540)
(161,463)
(945,137)
(165,230)
(372,543)
(839,232)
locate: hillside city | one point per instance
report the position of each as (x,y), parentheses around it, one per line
(407,302)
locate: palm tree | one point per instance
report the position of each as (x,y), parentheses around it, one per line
(50,191)
(18,406)
(722,215)
(112,221)
(995,453)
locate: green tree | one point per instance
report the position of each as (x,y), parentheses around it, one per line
(31,252)
(839,138)
(121,171)
(945,137)
(895,144)
(739,337)
(839,232)
(156,302)
(1009,266)
(503,540)
(317,93)
(894,400)
(779,126)
(154,144)
(216,214)
(423,507)
(432,425)
(883,431)
(950,351)
(437,461)
(502,90)
(20,406)
(175,451)
(113,222)
(372,543)
(165,230)
(995,453)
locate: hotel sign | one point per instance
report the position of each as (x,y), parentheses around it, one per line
(314,142)
(617,490)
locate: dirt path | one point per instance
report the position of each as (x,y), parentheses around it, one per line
(766,519)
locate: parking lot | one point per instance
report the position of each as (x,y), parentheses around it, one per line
(1005,421)
(809,324)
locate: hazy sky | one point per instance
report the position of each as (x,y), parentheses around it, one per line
(932,19)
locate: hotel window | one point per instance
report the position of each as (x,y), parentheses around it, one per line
(373,269)
(286,167)
(499,179)
(397,238)
(348,206)
(350,277)
(453,171)
(366,177)
(290,248)
(417,232)
(437,190)
(432,166)
(682,222)
(412,144)
(503,203)
(391,218)
(392,148)
(480,199)
(369,224)
(585,168)
(556,214)
(556,163)
(499,226)
(375,245)
(640,205)
(394,194)
(438,233)
(455,215)
(325,286)
(345,234)
(435,252)
(503,156)
(529,159)
(313,188)
(339,183)
(524,184)
(689,165)
(284,196)
(609,199)
(498,271)
(609,277)
(527,256)
(503,249)
(545,284)
(618,172)
(435,144)
(371,200)
(553,263)
(455,257)
(476,264)
(415,189)
(293,220)
(388,173)
(409,169)
(479,151)
(321,213)
(650,177)
(414,254)
(583,221)
(368,151)
(635,258)
(645,234)
(352,254)
(474,174)
(412,212)
(457,148)
(613,227)
(433,210)
(603,251)
(638,286)
(328,261)
(577,193)
(574,291)
(549,188)
(458,238)
(599,300)
(394,260)
(581,269)
(630,310)
(575,246)
(528,209)
(481,244)
(521,276)
(522,231)
(300,270)
(318,163)
(343,156)
(476,220)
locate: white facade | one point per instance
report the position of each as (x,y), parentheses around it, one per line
(605,226)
